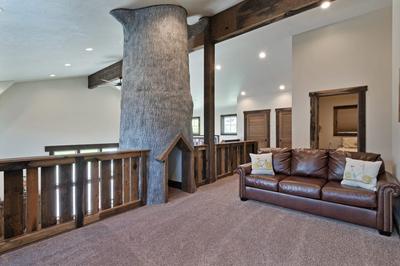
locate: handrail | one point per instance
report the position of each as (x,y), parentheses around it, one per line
(30,208)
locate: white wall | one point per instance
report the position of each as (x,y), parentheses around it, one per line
(262,101)
(396,82)
(351,53)
(54,112)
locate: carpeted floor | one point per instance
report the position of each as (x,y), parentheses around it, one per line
(213,227)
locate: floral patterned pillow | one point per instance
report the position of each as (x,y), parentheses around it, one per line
(261,164)
(361,174)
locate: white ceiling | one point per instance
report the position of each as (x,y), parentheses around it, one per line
(39,36)
(242,70)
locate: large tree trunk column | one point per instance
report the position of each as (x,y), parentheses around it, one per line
(156,103)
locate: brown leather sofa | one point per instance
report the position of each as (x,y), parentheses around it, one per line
(309,181)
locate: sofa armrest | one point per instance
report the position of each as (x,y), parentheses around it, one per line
(388,187)
(242,171)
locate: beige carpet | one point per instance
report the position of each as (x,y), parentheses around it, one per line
(213,227)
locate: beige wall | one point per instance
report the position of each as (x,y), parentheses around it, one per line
(351,53)
(395,98)
(54,112)
(326,104)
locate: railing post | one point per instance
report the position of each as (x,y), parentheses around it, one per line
(143,176)
(80,190)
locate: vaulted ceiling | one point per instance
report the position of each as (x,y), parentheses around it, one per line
(38,37)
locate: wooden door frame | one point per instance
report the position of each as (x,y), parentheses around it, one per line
(268,113)
(314,119)
(277,124)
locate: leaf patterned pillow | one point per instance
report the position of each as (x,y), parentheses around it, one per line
(363,174)
(261,164)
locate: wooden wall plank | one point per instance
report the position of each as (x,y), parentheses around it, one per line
(65,192)
(48,196)
(94,183)
(32,201)
(13,204)
(105,184)
(134,179)
(143,178)
(127,179)
(117,177)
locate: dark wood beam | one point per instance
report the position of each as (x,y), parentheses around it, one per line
(252,14)
(209,102)
(109,73)
(241,18)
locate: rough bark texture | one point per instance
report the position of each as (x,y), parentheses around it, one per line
(156,103)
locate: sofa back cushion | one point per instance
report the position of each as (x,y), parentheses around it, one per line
(310,163)
(281,159)
(337,162)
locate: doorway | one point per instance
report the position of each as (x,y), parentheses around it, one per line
(283,127)
(338,119)
(257,127)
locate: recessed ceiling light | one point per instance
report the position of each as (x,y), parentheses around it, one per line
(282,87)
(89,49)
(67,65)
(52,75)
(243,93)
(262,55)
(218,67)
(325,4)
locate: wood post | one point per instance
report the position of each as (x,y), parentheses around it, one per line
(209,102)
(13,204)
(80,176)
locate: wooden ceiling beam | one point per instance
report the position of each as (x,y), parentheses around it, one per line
(246,16)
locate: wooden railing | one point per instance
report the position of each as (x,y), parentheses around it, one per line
(228,156)
(81,148)
(44,196)
(232,154)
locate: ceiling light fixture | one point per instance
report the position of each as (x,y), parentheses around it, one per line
(282,87)
(52,75)
(325,4)
(243,93)
(89,49)
(218,67)
(262,55)
(67,65)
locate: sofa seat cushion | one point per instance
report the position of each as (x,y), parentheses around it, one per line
(302,186)
(265,182)
(335,192)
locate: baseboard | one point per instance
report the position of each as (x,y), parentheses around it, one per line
(175,184)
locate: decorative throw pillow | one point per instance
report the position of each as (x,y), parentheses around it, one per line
(261,164)
(361,174)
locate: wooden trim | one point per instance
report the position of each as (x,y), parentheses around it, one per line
(268,113)
(314,110)
(180,137)
(335,120)
(80,147)
(222,125)
(277,124)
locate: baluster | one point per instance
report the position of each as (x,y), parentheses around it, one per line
(127,181)
(94,183)
(48,196)
(80,202)
(32,201)
(105,184)
(117,176)
(13,203)
(65,192)
(134,179)
(143,176)
(223,170)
